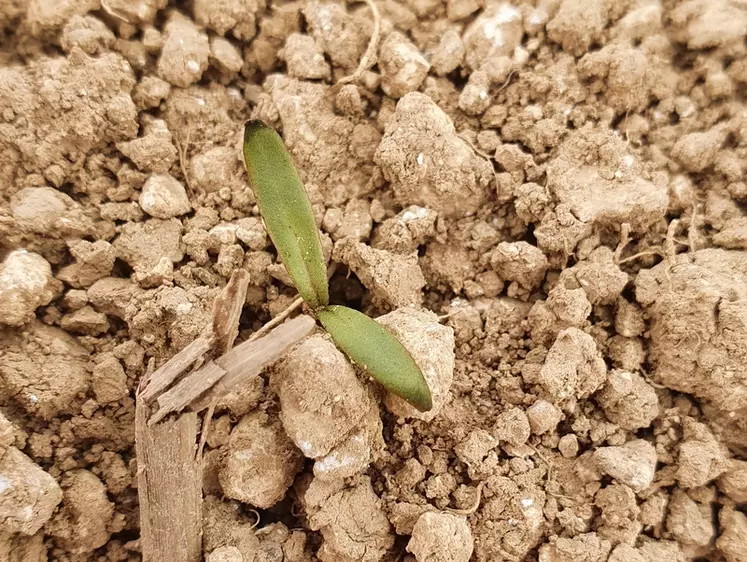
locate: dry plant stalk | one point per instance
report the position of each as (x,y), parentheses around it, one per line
(217,378)
(220,336)
(169,488)
(172,369)
(249,359)
(185,391)
(209,379)
(227,309)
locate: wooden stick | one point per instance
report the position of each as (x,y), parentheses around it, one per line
(226,315)
(181,394)
(207,420)
(250,358)
(169,488)
(256,355)
(220,334)
(216,378)
(277,320)
(227,309)
(170,371)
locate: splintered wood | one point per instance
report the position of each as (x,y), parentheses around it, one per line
(219,335)
(169,471)
(227,311)
(250,358)
(216,378)
(163,377)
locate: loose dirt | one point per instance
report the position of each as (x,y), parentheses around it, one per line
(544,200)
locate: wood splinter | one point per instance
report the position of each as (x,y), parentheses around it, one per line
(174,391)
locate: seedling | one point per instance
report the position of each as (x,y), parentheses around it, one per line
(286,210)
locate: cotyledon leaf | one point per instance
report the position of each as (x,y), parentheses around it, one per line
(286,210)
(368,344)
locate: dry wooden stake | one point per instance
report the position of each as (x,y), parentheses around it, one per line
(169,488)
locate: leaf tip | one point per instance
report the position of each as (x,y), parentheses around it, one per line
(252,126)
(367,343)
(425,402)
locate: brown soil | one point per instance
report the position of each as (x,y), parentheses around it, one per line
(561,183)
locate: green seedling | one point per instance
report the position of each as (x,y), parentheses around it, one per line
(286,210)
(368,344)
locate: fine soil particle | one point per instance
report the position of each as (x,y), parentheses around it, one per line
(544,200)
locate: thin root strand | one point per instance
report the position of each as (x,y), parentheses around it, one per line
(475,505)
(369,57)
(277,320)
